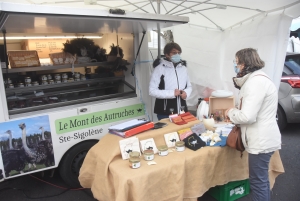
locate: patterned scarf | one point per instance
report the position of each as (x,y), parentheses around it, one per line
(246,70)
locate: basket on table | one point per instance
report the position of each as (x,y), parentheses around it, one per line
(61,58)
(23,58)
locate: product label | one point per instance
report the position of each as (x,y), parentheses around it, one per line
(97,118)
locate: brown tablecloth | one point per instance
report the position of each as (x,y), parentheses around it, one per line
(177,176)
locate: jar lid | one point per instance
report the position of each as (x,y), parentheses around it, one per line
(162,148)
(149,152)
(134,159)
(179,143)
(134,154)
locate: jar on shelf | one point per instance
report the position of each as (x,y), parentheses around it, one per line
(179,145)
(49,77)
(163,150)
(44,82)
(8,81)
(77,79)
(27,79)
(70,80)
(149,155)
(35,83)
(57,77)
(64,75)
(77,75)
(82,77)
(57,81)
(43,78)
(20,85)
(51,81)
(134,162)
(28,84)
(10,86)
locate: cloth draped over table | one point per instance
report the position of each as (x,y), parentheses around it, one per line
(177,176)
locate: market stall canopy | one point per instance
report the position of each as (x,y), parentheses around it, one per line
(215,14)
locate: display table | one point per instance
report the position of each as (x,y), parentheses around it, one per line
(177,176)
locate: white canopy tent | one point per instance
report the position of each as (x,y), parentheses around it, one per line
(217,29)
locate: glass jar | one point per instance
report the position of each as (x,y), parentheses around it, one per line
(57,81)
(163,150)
(50,81)
(64,80)
(27,80)
(28,84)
(64,75)
(148,155)
(43,78)
(134,162)
(70,80)
(11,86)
(20,85)
(57,77)
(82,77)
(44,82)
(35,83)
(77,75)
(134,154)
(179,145)
(9,81)
(77,79)
(49,77)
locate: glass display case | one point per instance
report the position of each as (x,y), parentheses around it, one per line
(31,89)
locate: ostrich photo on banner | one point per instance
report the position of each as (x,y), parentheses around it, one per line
(26,145)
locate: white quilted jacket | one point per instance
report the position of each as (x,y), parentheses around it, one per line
(257,117)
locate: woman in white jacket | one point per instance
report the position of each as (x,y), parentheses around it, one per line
(257,119)
(170,83)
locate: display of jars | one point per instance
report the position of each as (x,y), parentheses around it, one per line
(179,145)
(149,155)
(134,162)
(163,150)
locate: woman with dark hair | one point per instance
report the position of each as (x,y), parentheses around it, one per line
(257,119)
(170,83)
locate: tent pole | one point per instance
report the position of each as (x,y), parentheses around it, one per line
(158,31)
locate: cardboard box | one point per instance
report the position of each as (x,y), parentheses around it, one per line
(218,106)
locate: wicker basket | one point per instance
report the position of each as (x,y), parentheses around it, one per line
(23,58)
(61,58)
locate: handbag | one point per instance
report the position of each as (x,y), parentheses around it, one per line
(234,139)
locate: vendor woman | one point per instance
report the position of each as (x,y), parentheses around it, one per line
(170,83)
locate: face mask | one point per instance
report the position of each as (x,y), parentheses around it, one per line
(175,58)
(236,69)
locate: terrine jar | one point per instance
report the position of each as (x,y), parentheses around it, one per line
(149,155)
(162,150)
(180,146)
(134,162)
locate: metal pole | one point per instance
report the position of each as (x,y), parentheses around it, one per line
(5,48)
(158,30)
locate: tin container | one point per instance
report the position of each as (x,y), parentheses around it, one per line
(10,86)
(20,85)
(134,162)
(134,154)
(149,155)
(64,75)
(27,80)
(163,150)
(57,77)
(179,145)
(70,80)
(35,83)
(51,81)
(64,80)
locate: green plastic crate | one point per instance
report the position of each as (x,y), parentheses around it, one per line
(231,191)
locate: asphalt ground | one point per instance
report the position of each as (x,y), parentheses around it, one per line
(46,188)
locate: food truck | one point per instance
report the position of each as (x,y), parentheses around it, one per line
(56,105)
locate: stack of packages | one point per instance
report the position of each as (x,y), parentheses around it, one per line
(183,118)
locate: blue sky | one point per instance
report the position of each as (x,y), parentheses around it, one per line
(32,126)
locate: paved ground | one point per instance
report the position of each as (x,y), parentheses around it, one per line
(287,186)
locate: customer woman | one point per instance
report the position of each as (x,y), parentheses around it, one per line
(170,83)
(257,118)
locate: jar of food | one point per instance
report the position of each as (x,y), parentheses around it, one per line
(49,77)
(77,75)
(64,80)
(20,85)
(57,81)
(27,80)
(43,78)
(57,77)
(134,154)
(134,162)
(64,75)
(50,81)
(9,81)
(148,155)
(44,82)
(163,150)
(82,77)
(35,83)
(10,86)
(77,79)
(179,145)
(70,80)
(28,84)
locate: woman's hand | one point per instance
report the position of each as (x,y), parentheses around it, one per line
(226,112)
(177,92)
(183,94)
